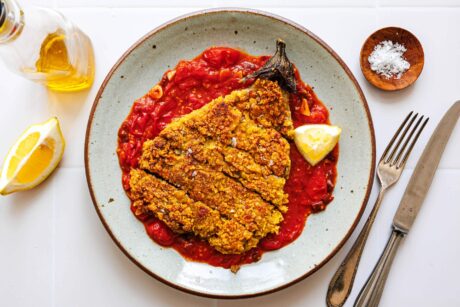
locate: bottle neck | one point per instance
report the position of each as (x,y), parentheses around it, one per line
(11,20)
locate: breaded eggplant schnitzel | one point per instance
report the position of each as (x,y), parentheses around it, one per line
(219,172)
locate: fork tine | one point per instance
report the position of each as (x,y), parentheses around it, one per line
(401,138)
(401,151)
(406,156)
(387,149)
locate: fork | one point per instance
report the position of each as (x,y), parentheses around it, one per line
(389,170)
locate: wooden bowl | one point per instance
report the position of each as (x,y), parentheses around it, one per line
(414,55)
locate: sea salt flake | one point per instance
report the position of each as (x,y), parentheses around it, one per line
(388,60)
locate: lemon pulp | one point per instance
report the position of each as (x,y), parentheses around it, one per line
(37,163)
(316,141)
(24,148)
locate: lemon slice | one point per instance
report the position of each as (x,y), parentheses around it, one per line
(316,141)
(32,159)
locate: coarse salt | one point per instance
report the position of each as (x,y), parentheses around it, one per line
(387,59)
(233,141)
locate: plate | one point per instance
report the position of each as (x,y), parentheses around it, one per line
(254,32)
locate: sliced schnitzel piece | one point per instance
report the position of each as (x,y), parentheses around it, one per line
(227,159)
(267,105)
(171,205)
(224,124)
(182,214)
(264,102)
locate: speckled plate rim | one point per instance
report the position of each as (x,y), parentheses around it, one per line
(288,23)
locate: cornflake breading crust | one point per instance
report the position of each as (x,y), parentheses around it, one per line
(220,171)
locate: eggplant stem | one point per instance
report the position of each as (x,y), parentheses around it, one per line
(278,68)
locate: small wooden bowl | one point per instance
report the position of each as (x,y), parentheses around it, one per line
(414,55)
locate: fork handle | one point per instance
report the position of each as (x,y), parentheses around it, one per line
(372,291)
(342,281)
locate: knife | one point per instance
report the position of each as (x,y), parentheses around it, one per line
(411,202)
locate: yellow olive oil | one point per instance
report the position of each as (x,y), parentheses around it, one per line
(62,74)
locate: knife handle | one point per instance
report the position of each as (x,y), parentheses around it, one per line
(372,291)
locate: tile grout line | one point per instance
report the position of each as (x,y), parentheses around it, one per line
(213,5)
(53,246)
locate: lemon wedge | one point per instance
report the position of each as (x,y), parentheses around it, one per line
(33,157)
(316,141)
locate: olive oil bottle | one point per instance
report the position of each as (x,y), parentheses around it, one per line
(43,46)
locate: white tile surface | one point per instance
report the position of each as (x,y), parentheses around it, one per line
(55,251)
(26,253)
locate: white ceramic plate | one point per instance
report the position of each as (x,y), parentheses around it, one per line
(184,38)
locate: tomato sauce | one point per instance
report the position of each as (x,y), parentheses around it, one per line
(192,84)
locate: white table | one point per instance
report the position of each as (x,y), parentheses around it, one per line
(54,250)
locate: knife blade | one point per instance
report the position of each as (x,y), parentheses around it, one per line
(425,170)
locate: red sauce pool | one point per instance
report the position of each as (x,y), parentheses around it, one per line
(192,84)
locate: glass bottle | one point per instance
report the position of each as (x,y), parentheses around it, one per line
(42,45)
